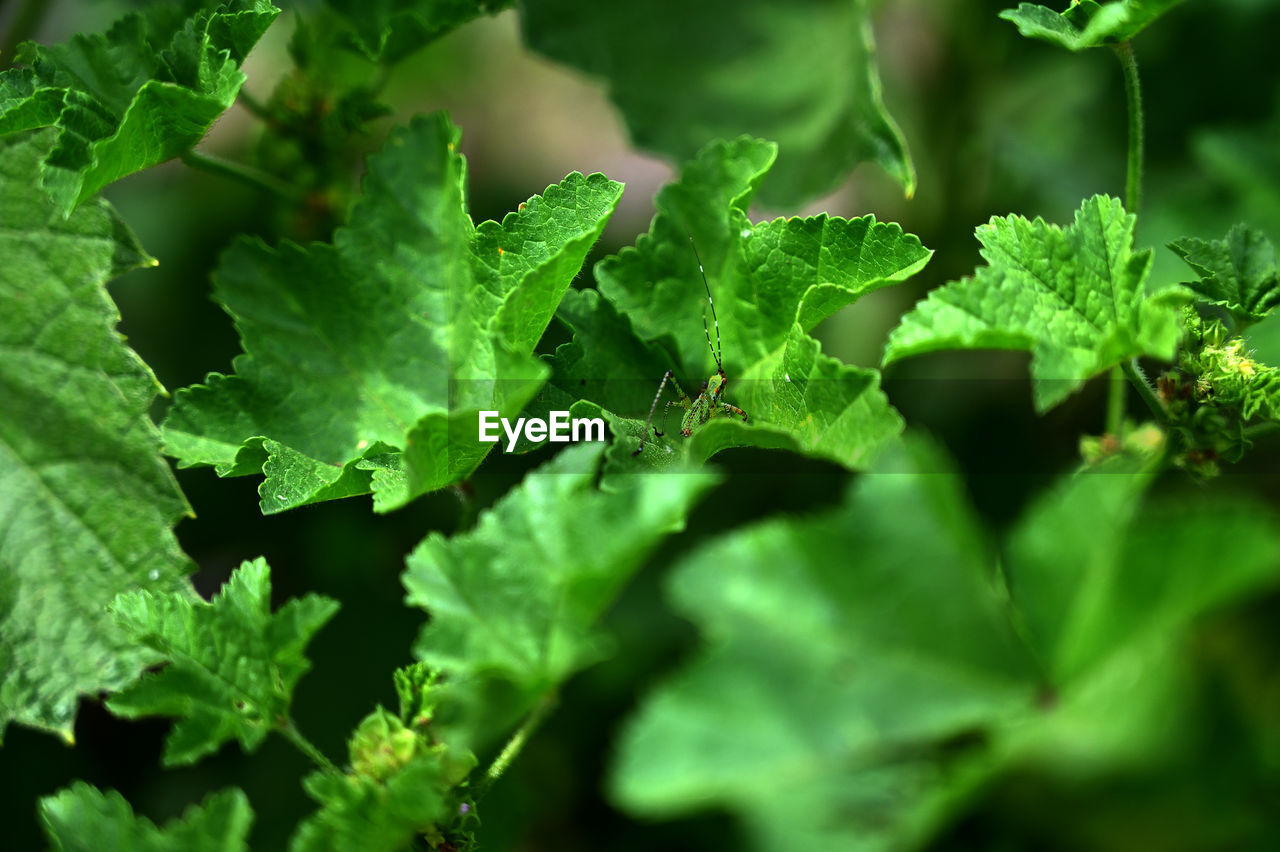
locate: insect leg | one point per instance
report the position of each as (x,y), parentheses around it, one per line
(644,434)
(733,409)
(683,400)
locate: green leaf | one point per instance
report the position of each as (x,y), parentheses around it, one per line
(1238,272)
(1087,23)
(856,702)
(682,73)
(143,92)
(1092,576)
(514,602)
(82,818)
(819,673)
(390,30)
(232,664)
(368,359)
(771,282)
(87,503)
(1073,297)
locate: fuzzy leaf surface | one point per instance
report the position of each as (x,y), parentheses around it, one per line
(83,818)
(1238,272)
(232,663)
(1074,297)
(1087,23)
(514,602)
(87,504)
(771,283)
(367,359)
(143,92)
(803,74)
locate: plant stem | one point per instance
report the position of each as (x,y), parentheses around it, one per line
(293,735)
(22,26)
(516,743)
(254,106)
(245,174)
(1115,401)
(1139,381)
(1258,430)
(1133,95)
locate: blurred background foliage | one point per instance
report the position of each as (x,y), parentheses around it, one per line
(995,124)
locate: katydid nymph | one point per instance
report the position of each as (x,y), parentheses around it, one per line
(709,403)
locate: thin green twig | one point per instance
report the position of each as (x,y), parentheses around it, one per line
(254,106)
(293,735)
(516,743)
(1148,394)
(1133,96)
(240,172)
(1259,430)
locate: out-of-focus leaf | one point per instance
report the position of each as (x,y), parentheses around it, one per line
(821,672)
(232,663)
(1092,576)
(87,504)
(1087,23)
(83,818)
(368,359)
(143,92)
(869,669)
(802,73)
(389,30)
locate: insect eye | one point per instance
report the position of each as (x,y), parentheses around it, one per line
(704,385)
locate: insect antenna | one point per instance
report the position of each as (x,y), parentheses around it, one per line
(715,350)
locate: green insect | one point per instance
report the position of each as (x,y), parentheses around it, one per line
(708,404)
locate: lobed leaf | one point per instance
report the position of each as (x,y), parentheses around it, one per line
(87,504)
(1238,272)
(856,702)
(771,283)
(514,602)
(1074,297)
(81,817)
(818,672)
(143,92)
(232,664)
(1087,23)
(367,360)
(804,74)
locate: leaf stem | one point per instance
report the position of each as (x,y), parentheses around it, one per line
(256,107)
(245,174)
(516,743)
(1258,430)
(1133,96)
(1139,380)
(1115,401)
(304,745)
